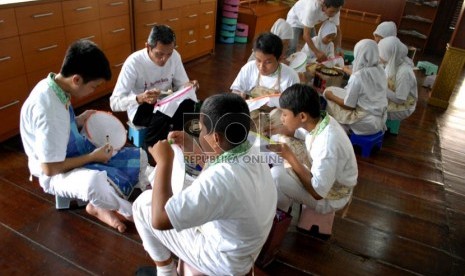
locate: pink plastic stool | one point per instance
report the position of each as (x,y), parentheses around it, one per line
(186,270)
(232,2)
(242,29)
(309,217)
(230,14)
(231,8)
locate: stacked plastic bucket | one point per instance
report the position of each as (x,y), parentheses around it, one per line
(229,21)
(242,30)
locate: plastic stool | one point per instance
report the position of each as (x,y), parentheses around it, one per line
(226,40)
(231,8)
(232,2)
(367,142)
(65,203)
(348,57)
(228,33)
(230,21)
(393,126)
(240,39)
(136,134)
(242,29)
(309,217)
(430,69)
(186,270)
(229,14)
(228,27)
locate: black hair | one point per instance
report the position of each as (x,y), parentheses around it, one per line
(228,115)
(85,59)
(333,3)
(269,44)
(161,33)
(301,98)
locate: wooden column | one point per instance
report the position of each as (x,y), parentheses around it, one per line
(451,66)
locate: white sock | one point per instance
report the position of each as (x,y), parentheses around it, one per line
(167,270)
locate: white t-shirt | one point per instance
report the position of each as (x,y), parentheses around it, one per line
(333,159)
(328,49)
(246,80)
(233,204)
(308,13)
(138,73)
(44,127)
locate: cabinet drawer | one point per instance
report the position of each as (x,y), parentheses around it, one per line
(190,16)
(39,17)
(116,57)
(144,22)
(173,18)
(12,96)
(78,11)
(207,13)
(115,31)
(169,4)
(146,5)
(189,43)
(8,23)
(109,8)
(43,49)
(11,58)
(206,42)
(88,30)
(207,30)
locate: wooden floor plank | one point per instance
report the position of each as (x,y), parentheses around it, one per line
(21,256)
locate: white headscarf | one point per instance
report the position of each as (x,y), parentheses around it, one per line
(386,29)
(282,29)
(366,61)
(394,52)
(327,28)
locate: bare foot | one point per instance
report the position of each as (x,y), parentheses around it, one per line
(106,216)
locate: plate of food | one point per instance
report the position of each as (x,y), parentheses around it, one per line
(298,61)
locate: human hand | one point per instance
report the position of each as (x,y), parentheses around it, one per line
(328,94)
(320,56)
(102,154)
(193,83)
(149,96)
(162,152)
(184,140)
(347,70)
(81,119)
(281,149)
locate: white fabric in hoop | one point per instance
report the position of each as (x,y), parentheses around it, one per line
(270,100)
(101,125)
(170,104)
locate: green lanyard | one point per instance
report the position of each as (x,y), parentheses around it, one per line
(64,97)
(231,155)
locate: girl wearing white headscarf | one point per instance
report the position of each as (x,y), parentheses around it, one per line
(402,90)
(361,105)
(323,41)
(284,30)
(385,29)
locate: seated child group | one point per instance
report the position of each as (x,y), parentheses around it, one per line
(210,193)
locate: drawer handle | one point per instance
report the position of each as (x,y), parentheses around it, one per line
(83,8)
(173,19)
(42,15)
(8,105)
(113,4)
(151,24)
(89,37)
(209,12)
(146,1)
(5,58)
(192,15)
(2,21)
(208,36)
(192,42)
(119,64)
(118,30)
(47,48)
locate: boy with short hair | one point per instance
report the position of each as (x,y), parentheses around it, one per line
(327,186)
(66,163)
(306,14)
(220,222)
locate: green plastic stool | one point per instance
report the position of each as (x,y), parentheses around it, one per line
(348,57)
(430,68)
(393,126)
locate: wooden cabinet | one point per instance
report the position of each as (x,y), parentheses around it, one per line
(193,22)
(416,23)
(13,84)
(34,37)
